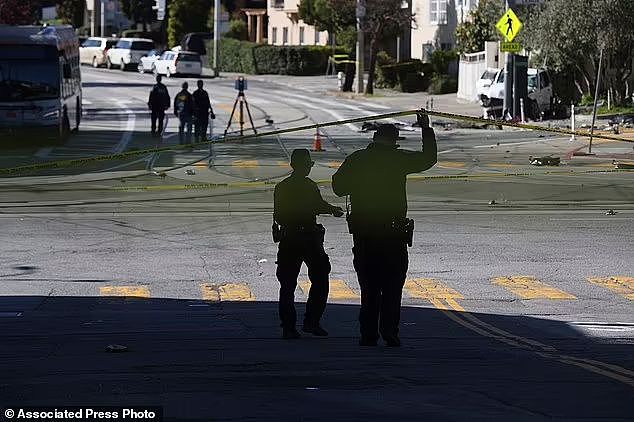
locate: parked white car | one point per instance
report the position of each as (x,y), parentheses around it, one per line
(147,62)
(178,63)
(128,52)
(540,94)
(93,51)
(485,81)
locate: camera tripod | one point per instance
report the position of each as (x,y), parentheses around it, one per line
(243,104)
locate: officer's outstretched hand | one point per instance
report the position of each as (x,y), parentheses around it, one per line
(337,211)
(422,118)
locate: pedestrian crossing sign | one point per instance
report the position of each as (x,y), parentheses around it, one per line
(509,25)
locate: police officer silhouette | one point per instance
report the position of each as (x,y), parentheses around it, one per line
(297,202)
(158,102)
(375,180)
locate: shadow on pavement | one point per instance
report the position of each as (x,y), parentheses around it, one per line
(224,360)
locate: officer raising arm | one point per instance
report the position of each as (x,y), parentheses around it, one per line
(375,180)
(297,201)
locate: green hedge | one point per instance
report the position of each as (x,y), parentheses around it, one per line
(443,84)
(247,57)
(409,76)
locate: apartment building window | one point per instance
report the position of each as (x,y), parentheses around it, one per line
(301,35)
(316,36)
(274,36)
(285,35)
(438,12)
(278,3)
(428,49)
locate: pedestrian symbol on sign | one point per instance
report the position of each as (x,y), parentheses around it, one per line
(509,25)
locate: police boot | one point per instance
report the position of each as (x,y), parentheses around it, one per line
(290,333)
(315,329)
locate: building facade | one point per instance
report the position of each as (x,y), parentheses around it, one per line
(436,23)
(286,28)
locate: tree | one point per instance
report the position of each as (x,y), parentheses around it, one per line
(186,16)
(471,34)
(569,34)
(71,11)
(19,12)
(138,11)
(237,30)
(384,18)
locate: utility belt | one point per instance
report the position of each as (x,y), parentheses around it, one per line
(297,232)
(398,229)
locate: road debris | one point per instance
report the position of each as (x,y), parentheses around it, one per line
(610,212)
(548,160)
(116,348)
(190,172)
(262,261)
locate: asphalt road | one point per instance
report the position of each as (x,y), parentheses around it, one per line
(518,304)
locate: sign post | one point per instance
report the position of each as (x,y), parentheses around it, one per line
(509,26)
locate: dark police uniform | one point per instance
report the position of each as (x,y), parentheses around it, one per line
(297,201)
(202,107)
(158,102)
(375,179)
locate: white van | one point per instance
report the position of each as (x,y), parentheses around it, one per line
(128,52)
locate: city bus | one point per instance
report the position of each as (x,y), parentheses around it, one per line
(40,82)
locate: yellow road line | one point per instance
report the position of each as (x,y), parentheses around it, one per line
(451,164)
(334,164)
(339,290)
(125,291)
(427,288)
(283,164)
(478,326)
(228,292)
(502,165)
(528,287)
(621,285)
(245,163)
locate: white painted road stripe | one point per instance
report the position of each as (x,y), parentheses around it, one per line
(129,129)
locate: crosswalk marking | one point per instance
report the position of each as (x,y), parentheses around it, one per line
(435,292)
(339,290)
(621,285)
(127,291)
(528,287)
(239,292)
(245,163)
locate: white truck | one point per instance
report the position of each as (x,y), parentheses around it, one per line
(540,95)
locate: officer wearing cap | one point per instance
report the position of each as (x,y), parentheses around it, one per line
(297,202)
(375,179)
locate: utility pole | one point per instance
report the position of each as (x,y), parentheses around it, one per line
(508,82)
(216,36)
(360,46)
(596,98)
(102,10)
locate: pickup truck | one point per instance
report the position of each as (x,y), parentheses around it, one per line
(540,95)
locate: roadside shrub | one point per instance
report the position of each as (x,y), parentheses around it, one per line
(235,56)
(237,30)
(442,59)
(442,84)
(587,100)
(391,75)
(247,57)
(267,59)
(413,82)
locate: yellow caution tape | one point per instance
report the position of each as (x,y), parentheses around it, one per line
(83,161)
(192,186)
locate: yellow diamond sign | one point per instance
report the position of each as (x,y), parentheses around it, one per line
(509,25)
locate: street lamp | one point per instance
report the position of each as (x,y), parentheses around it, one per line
(360,48)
